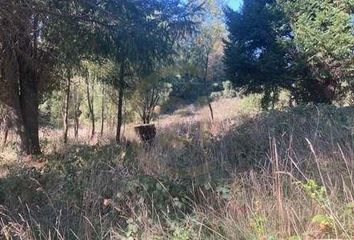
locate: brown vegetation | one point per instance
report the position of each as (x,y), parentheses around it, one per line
(281,175)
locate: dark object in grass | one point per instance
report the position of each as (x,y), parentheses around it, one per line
(146,132)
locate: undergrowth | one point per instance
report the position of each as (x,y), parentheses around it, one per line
(278,175)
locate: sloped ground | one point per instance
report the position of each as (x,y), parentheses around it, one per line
(249,175)
(224,109)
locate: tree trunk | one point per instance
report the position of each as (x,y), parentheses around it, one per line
(206,84)
(29,91)
(28,83)
(19,79)
(66,109)
(76,126)
(77,113)
(144,116)
(10,76)
(102,110)
(6,134)
(22,144)
(211,110)
(7,125)
(120,102)
(29,107)
(90,106)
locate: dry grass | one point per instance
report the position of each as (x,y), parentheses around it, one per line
(278,175)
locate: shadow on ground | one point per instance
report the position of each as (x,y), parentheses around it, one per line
(87,188)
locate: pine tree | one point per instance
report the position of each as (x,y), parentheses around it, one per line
(324,36)
(303,46)
(258,52)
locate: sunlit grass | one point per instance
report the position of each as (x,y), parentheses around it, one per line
(276,175)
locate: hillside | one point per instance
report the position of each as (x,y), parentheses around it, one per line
(276,175)
(176,119)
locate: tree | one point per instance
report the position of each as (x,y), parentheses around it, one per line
(259,49)
(5,123)
(66,107)
(40,38)
(71,42)
(305,47)
(209,42)
(145,35)
(33,43)
(151,92)
(90,77)
(77,112)
(323,33)
(23,62)
(200,55)
(103,97)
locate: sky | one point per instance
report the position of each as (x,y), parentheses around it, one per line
(235,4)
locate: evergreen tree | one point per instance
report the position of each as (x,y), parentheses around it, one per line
(143,35)
(303,46)
(324,37)
(258,52)
(39,37)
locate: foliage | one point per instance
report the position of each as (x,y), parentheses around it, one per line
(305,47)
(199,58)
(123,193)
(286,173)
(227,92)
(258,49)
(324,33)
(317,193)
(147,97)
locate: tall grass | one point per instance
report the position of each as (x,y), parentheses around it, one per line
(276,175)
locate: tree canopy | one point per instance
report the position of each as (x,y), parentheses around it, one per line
(38,36)
(304,46)
(133,49)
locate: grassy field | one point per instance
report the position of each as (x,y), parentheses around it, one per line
(247,175)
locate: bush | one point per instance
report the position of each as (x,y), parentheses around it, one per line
(227,92)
